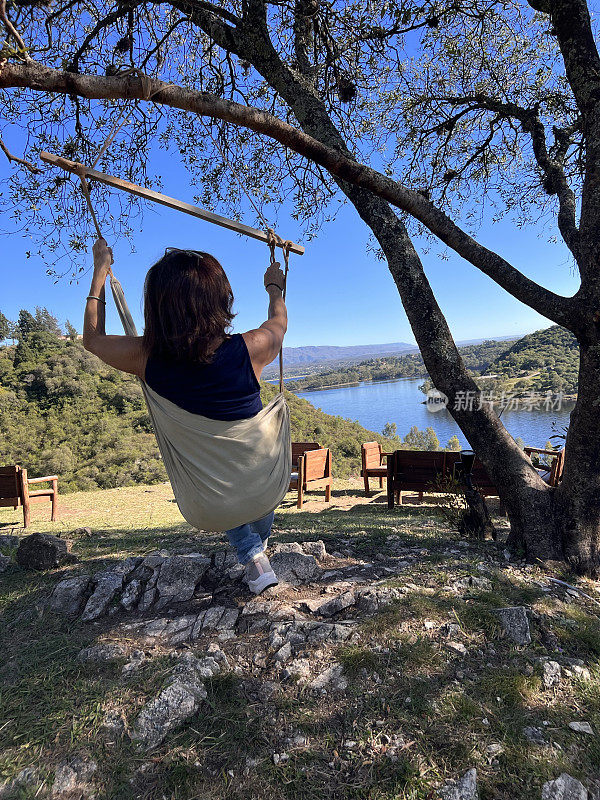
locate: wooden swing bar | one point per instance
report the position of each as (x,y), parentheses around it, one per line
(163,199)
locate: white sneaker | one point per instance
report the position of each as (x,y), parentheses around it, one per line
(259,574)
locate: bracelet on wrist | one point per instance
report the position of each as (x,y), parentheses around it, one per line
(94,297)
(274,284)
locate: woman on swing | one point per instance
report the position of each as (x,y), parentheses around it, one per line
(187,356)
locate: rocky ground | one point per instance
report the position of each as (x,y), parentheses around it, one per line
(393,661)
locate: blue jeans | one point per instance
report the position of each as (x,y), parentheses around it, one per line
(248,539)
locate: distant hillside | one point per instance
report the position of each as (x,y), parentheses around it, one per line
(477,357)
(547,360)
(311,360)
(300,360)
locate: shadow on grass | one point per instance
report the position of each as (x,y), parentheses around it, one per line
(52,705)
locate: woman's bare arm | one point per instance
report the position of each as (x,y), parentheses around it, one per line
(123,352)
(265,342)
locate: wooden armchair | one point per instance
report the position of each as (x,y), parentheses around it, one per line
(552,473)
(15,492)
(311,469)
(373,464)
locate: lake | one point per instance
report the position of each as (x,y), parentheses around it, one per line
(374,403)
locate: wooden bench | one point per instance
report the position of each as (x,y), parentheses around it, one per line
(311,469)
(552,474)
(373,464)
(421,470)
(15,491)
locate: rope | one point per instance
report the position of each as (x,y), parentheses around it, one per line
(86,193)
(273,240)
(111,136)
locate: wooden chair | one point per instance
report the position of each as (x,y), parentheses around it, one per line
(311,469)
(552,474)
(15,492)
(419,471)
(373,464)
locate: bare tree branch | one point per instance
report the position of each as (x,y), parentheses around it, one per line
(12,31)
(38,77)
(105,22)
(12,158)
(210,18)
(552,168)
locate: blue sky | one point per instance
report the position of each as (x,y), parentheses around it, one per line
(338,292)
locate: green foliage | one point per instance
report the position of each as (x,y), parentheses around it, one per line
(453,443)
(71,331)
(548,358)
(4,327)
(390,430)
(26,323)
(421,440)
(46,321)
(63,411)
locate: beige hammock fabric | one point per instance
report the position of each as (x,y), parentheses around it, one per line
(223,474)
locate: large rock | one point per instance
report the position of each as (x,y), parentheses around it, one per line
(179,576)
(294,568)
(515,622)
(316,549)
(18,786)
(336,604)
(162,629)
(564,788)
(102,653)
(331,678)
(131,594)
(107,584)
(73,775)
(581,727)
(551,674)
(192,670)
(127,566)
(69,596)
(215,618)
(43,551)
(167,711)
(464,788)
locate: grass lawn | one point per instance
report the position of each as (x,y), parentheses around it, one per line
(434,687)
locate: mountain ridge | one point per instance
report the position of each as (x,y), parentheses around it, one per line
(311,358)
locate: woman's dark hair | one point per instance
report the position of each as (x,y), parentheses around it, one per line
(187,306)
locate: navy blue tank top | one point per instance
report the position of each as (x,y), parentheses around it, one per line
(224,388)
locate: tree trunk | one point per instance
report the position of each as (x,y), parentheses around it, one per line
(476,521)
(527,499)
(577,498)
